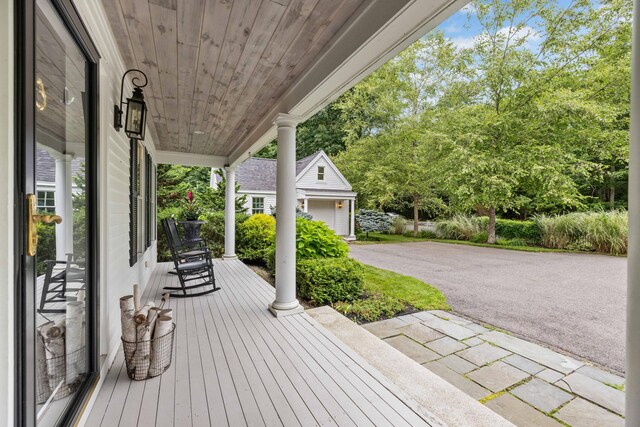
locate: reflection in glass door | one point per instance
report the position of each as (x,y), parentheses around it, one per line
(61,355)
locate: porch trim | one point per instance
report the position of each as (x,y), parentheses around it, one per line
(191,159)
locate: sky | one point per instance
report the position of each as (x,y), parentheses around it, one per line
(463,27)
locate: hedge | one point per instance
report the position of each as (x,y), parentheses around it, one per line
(328,280)
(511,229)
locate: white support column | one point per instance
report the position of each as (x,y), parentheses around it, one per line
(632,387)
(286,200)
(230,214)
(352,213)
(64,205)
(306,205)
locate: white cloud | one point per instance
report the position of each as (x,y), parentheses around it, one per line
(463,42)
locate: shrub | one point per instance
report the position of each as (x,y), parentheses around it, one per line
(479,237)
(372,221)
(212,230)
(327,280)
(511,229)
(163,248)
(256,236)
(371,307)
(398,225)
(427,234)
(46,246)
(461,227)
(313,240)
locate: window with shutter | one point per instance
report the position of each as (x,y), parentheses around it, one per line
(133,201)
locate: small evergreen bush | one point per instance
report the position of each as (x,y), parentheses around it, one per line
(372,221)
(327,280)
(256,236)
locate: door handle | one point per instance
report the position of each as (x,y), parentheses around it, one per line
(32,220)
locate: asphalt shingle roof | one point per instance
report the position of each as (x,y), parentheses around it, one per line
(258,174)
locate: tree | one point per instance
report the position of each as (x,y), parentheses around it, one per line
(394,162)
(504,154)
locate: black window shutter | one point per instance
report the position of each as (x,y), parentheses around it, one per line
(133,202)
(147,199)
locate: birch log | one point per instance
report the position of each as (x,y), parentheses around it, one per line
(142,314)
(126,318)
(42,380)
(74,360)
(143,344)
(161,351)
(166,312)
(55,351)
(136,297)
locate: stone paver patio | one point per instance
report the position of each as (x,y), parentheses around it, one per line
(526,383)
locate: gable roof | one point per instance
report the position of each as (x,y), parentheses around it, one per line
(258,174)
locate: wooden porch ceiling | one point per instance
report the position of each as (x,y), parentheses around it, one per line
(216,66)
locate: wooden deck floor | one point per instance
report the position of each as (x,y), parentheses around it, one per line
(236,364)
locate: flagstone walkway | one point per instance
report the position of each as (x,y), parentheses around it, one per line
(526,383)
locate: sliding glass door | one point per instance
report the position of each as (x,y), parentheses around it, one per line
(58,288)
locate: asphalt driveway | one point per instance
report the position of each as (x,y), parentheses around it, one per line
(571,302)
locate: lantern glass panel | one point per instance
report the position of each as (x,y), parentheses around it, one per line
(135,123)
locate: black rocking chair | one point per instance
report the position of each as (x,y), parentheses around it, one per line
(55,289)
(192,263)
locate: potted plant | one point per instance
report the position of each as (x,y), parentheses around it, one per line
(191,225)
(191,208)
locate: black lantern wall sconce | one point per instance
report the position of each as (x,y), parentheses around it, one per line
(136,118)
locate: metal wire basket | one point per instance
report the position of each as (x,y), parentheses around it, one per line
(57,379)
(149,358)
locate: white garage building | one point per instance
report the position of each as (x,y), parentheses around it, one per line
(321,189)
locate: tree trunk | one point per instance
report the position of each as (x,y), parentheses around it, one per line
(143,343)
(160,353)
(136,297)
(416,203)
(74,333)
(612,188)
(492,226)
(126,318)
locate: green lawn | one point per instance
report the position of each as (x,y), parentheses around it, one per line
(392,238)
(389,294)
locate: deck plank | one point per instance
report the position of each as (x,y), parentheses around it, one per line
(234,364)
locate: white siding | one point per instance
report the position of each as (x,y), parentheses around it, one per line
(332,180)
(269,201)
(116,277)
(342,219)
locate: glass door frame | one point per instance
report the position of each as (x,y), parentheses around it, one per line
(24,266)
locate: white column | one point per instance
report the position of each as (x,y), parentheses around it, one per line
(306,205)
(286,302)
(230,214)
(352,213)
(632,386)
(64,206)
